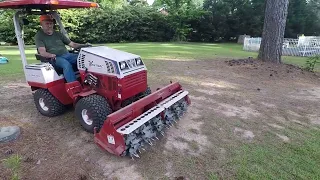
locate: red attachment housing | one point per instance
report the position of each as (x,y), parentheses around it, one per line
(128,114)
(48,4)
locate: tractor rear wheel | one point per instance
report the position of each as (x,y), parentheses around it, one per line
(47,104)
(92,111)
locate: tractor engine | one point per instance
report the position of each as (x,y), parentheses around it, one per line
(117,75)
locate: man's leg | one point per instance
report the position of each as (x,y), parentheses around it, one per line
(67,69)
(72,58)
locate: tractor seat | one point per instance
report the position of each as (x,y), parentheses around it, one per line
(56,68)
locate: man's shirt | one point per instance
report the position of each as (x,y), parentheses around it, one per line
(54,44)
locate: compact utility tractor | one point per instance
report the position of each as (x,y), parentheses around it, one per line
(111,98)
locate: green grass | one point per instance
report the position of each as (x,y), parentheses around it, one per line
(185,51)
(296,160)
(14,164)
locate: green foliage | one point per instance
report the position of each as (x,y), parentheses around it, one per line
(120,25)
(6,27)
(186,20)
(303,18)
(311,63)
(13,163)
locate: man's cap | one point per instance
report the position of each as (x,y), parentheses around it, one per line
(46,18)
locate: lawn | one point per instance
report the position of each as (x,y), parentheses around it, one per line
(222,106)
(148,51)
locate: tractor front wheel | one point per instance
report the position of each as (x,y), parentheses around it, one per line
(47,104)
(92,111)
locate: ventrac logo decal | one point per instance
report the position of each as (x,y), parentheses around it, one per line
(91,64)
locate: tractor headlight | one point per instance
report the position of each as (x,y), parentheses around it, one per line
(123,65)
(139,61)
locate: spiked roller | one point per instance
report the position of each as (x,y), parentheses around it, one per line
(128,130)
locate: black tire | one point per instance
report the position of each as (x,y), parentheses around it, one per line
(47,104)
(144,94)
(96,108)
(136,98)
(147,92)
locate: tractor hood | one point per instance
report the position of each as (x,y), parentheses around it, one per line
(110,53)
(109,61)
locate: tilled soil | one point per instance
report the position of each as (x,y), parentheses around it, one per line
(233,102)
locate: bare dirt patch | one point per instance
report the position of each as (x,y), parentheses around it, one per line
(181,139)
(233,103)
(246,134)
(283,137)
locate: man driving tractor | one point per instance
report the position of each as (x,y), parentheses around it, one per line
(51,44)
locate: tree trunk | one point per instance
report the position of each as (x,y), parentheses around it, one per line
(273,30)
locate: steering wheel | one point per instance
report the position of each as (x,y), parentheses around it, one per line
(81,46)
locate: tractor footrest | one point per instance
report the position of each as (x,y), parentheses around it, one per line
(73,88)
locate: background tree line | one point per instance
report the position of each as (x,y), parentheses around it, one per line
(185,20)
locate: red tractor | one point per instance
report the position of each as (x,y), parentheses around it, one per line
(111,98)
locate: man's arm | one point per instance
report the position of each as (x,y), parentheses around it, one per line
(43,52)
(41,48)
(75,45)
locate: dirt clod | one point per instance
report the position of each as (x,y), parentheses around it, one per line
(28,159)
(8,152)
(238,62)
(83,177)
(180,178)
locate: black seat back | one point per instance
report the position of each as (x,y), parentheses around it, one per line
(51,61)
(59,70)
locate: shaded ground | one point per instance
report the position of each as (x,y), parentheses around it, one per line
(232,104)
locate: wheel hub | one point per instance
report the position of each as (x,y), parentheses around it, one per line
(86,117)
(43,105)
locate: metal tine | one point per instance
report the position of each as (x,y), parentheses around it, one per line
(156,137)
(136,155)
(132,158)
(143,149)
(150,143)
(139,151)
(162,133)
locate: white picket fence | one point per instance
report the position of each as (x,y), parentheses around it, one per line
(304,46)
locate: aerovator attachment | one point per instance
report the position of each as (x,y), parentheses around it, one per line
(127,131)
